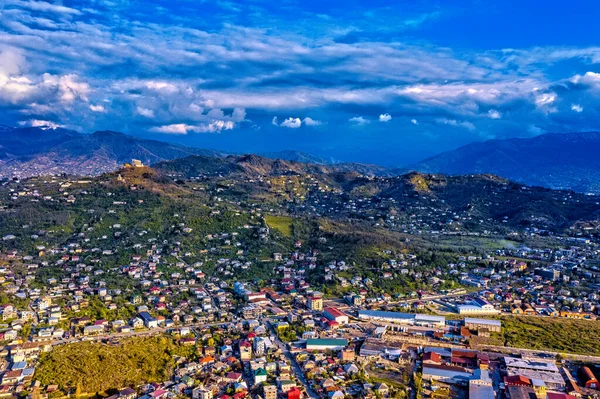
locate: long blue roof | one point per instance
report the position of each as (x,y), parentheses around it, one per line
(384,314)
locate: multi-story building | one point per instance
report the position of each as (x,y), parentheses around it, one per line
(270,391)
(315,303)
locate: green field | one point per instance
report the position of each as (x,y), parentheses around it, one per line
(550,333)
(283,224)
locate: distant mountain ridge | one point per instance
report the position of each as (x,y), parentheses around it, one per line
(28,152)
(554,160)
(33,151)
(559,161)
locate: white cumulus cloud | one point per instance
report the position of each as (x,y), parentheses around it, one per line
(182,128)
(146,112)
(41,123)
(238,114)
(359,120)
(545,99)
(164,87)
(492,113)
(454,122)
(292,123)
(576,108)
(97,108)
(176,128)
(385,118)
(311,122)
(69,87)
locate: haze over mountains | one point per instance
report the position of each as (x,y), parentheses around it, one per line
(561,161)
(33,151)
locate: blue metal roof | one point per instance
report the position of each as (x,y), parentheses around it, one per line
(387,315)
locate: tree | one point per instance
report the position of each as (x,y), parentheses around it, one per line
(25,331)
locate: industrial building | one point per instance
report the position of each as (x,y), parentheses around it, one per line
(335,315)
(477,324)
(480,386)
(477,306)
(149,321)
(447,374)
(323,344)
(535,369)
(403,318)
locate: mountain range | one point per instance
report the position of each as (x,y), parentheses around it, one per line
(554,160)
(28,152)
(559,161)
(33,151)
(476,201)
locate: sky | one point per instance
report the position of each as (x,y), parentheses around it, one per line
(385,82)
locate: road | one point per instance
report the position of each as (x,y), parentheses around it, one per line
(297,370)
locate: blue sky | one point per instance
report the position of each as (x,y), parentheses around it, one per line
(387,82)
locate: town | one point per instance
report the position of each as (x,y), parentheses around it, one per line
(246,306)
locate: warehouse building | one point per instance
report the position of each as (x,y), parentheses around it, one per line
(427,320)
(335,315)
(480,386)
(535,369)
(477,306)
(149,321)
(477,324)
(323,344)
(403,318)
(446,374)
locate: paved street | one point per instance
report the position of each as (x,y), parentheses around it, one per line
(297,370)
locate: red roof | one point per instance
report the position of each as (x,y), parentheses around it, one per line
(464,353)
(294,393)
(462,360)
(552,395)
(334,312)
(432,357)
(233,376)
(517,380)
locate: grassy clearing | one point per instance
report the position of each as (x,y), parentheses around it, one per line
(283,224)
(550,333)
(483,243)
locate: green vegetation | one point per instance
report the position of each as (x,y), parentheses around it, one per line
(283,224)
(554,334)
(95,367)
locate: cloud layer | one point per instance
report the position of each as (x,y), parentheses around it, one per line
(156,69)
